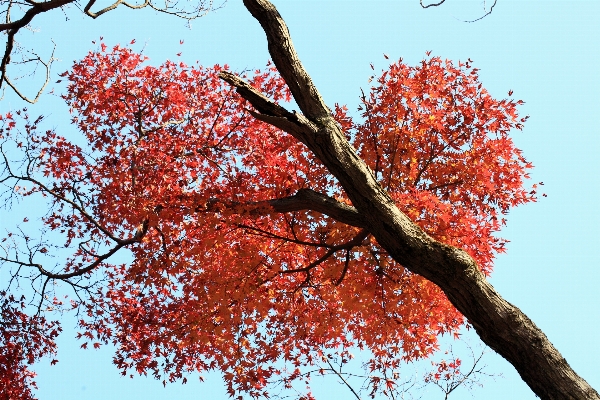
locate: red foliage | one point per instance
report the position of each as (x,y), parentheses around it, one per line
(438,142)
(23,340)
(175,170)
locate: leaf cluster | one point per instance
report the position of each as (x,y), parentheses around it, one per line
(232,269)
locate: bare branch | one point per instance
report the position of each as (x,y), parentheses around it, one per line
(474,20)
(37,8)
(95,15)
(50,275)
(75,206)
(34,8)
(486,14)
(47,65)
(339,375)
(432,4)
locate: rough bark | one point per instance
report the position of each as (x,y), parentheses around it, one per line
(502,326)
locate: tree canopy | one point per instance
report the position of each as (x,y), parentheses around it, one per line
(261,235)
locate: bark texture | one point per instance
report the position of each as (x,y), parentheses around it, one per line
(501,325)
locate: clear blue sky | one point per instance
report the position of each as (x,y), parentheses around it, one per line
(547,52)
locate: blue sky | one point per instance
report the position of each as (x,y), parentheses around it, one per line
(547,52)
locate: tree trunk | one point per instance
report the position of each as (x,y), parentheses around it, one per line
(500,325)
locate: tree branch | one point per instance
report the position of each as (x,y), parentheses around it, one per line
(304,200)
(50,275)
(268,111)
(501,325)
(486,14)
(12,27)
(307,199)
(199,9)
(286,60)
(432,4)
(339,375)
(37,8)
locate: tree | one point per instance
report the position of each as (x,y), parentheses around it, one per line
(320,248)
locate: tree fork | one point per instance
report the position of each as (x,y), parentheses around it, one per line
(502,326)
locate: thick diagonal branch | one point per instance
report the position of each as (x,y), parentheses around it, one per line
(286,60)
(268,111)
(502,326)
